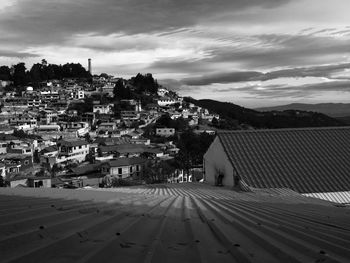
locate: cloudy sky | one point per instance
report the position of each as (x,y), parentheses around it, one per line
(250,52)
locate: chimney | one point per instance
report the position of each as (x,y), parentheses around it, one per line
(89,65)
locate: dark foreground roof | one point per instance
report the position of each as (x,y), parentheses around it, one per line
(173,223)
(306,160)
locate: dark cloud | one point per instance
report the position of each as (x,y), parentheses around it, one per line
(112,42)
(316,71)
(281,50)
(243,76)
(173,66)
(14,54)
(39,22)
(224,78)
(283,91)
(263,52)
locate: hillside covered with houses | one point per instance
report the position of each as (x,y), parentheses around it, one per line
(60,126)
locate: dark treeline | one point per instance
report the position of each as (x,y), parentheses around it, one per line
(43,71)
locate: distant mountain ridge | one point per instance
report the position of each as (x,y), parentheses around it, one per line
(330,109)
(270,119)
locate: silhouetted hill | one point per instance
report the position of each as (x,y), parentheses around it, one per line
(345,120)
(330,109)
(272,119)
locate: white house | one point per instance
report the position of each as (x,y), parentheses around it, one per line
(162,92)
(166,101)
(72,150)
(102,109)
(124,168)
(77,94)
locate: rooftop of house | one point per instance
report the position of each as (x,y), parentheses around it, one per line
(86,169)
(49,149)
(107,124)
(14,156)
(170,223)
(112,141)
(72,142)
(308,160)
(7,137)
(124,148)
(124,162)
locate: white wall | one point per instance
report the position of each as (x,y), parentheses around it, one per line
(215,162)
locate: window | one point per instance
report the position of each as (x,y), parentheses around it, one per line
(80,147)
(137,168)
(120,170)
(38,184)
(130,169)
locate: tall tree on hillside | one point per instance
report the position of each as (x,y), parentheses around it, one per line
(20,77)
(35,73)
(118,89)
(5,73)
(121,92)
(145,83)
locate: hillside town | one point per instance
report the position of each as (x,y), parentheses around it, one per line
(97,132)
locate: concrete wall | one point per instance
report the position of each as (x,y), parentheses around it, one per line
(18,182)
(215,162)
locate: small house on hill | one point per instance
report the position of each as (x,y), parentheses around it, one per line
(124,168)
(311,161)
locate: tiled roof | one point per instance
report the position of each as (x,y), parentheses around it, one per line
(169,223)
(72,143)
(86,169)
(49,149)
(125,161)
(125,148)
(308,160)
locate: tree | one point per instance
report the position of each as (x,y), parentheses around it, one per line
(156,171)
(118,89)
(5,73)
(214,122)
(121,92)
(87,138)
(90,158)
(104,75)
(19,74)
(36,156)
(55,169)
(2,181)
(192,148)
(35,73)
(145,83)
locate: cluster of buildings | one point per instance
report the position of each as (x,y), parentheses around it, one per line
(46,142)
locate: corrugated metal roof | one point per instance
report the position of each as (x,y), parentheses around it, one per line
(337,197)
(308,160)
(173,223)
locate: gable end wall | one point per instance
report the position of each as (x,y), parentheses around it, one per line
(215,161)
